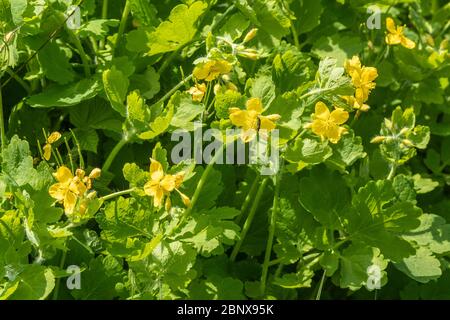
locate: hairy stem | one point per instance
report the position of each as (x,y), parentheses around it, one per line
(248,198)
(19,80)
(58,281)
(249,220)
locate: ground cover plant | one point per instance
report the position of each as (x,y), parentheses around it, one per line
(118,117)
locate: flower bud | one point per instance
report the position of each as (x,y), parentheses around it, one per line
(95,173)
(250,35)
(407,143)
(378,139)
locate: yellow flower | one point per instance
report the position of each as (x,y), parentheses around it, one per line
(211,69)
(197,92)
(68,189)
(356,104)
(396,36)
(161,185)
(251,120)
(52,138)
(326,124)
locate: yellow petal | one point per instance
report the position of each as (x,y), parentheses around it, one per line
(354,64)
(53,137)
(151,188)
(80,173)
(47,151)
(266,124)
(393,39)
(156,170)
(407,43)
(58,191)
(254,104)
(321,111)
(168,183)
(201,71)
(168,204)
(63,174)
(339,116)
(369,74)
(179,178)
(70,201)
(390,25)
(223,66)
(185,199)
(333,133)
(77,186)
(158,198)
(319,127)
(243,119)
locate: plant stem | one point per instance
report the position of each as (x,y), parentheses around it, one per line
(2,122)
(173,90)
(392,172)
(273,216)
(247,199)
(295,36)
(322,281)
(249,220)
(101,43)
(19,80)
(83,55)
(200,185)
(117,194)
(123,24)
(122,142)
(58,281)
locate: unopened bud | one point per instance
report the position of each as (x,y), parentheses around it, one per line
(250,54)
(95,173)
(250,35)
(378,139)
(403,131)
(388,124)
(407,143)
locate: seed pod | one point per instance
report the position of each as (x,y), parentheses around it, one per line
(407,143)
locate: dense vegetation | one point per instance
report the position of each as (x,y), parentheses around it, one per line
(350,97)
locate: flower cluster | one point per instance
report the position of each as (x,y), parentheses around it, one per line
(363,80)
(251,120)
(72,189)
(161,185)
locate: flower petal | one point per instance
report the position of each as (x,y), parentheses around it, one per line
(70,201)
(393,39)
(319,127)
(168,183)
(254,104)
(390,25)
(243,119)
(407,43)
(156,170)
(58,191)
(321,111)
(47,151)
(63,174)
(339,116)
(53,137)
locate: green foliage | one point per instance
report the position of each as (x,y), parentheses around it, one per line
(356,205)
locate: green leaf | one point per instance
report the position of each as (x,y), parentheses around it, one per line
(35,283)
(215,287)
(208,231)
(308,151)
(88,139)
(355,260)
(99,281)
(116,87)
(55,63)
(97,29)
(186,110)
(144,12)
(67,95)
(179,29)
(159,124)
(324,194)
(338,46)
(347,151)
(422,267)
(147,83)
(308,15)
(17,162)
(262,87)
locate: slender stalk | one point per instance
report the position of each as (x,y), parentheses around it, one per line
(58,281)
(173,90)
(249,220)
(123,24)
(200,186)
(81,52)
(113,154)
(2,122)
(322,281)
(273,216)
(117,194)
(393,171)
(295,36)
(19,80)
(101,43)
(247,199)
